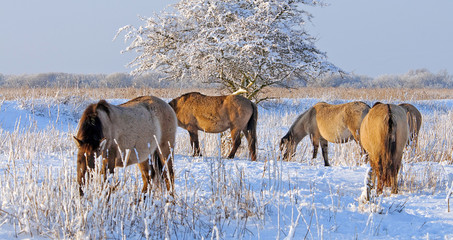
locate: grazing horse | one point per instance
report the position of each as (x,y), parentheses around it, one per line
(215,114)
(325,123)
(414,120)
(383,134)
(141,131)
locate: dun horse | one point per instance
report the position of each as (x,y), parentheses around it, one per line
(414,120)
(384,134)
(325,123)
(215,114)
(130,133)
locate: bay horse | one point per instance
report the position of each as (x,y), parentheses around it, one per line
(414,120)
(215,114)
(144,127)
(383,134)
(325,123)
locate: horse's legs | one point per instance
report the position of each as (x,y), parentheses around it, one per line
(164,160)
(380,184)
(194,142)
(169,166)
(324,145)
(144,169)
(108,163)
(236,137)
(315,149)
(251,140)
(369,183)
(315,139)
(394,181)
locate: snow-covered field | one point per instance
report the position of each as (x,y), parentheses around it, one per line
(218,198)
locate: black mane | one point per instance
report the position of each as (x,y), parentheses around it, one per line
(90,131)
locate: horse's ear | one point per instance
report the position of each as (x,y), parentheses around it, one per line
(77,141)
(172,103)
(102,144)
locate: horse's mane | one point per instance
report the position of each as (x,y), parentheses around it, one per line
(367,104)
(90,131)
(377,103)
(192,93)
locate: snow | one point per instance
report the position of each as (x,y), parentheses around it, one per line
(284,200)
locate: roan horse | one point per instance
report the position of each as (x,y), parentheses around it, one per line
(325,123)
(141,131)
(383,134)
(215,114)
(414,120)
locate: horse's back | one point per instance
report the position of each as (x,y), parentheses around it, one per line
(335,122)
(164,114)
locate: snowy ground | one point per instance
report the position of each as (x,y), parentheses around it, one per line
(217,197)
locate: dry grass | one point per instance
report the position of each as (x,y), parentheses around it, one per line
(321,93)
(382,94)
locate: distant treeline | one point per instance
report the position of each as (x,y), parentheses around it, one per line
(420,78)
(68,80)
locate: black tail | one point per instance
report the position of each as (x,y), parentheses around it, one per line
(251,125)
(389,168)
(391,136)
(251,132)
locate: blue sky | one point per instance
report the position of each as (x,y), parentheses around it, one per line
(365,37)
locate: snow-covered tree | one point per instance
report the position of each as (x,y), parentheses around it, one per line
(245,45)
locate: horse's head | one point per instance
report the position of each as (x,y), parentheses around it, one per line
(90,142)
(286,147)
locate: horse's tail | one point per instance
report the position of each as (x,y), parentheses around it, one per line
(251,125)
(251,129)
(390,145)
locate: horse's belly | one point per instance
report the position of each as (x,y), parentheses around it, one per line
(212,127)
(133,152)
(337,136)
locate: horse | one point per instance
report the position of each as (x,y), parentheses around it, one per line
(215,114)
(325,123)
(141,131)
(384,133)
(414,120)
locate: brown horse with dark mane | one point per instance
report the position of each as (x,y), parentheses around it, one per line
(141,131)
(384,134)
(215,114)
(325,123)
